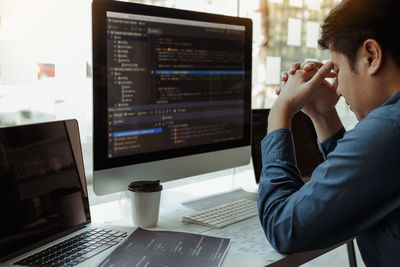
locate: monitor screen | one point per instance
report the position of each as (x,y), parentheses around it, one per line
(167,84)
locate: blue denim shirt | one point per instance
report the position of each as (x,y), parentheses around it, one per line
(355,192)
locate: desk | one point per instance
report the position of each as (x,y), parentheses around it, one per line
(249,246)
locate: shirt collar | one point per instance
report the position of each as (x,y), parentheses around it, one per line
(393,99)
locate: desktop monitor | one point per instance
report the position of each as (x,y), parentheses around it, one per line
(308,156)
(171,93)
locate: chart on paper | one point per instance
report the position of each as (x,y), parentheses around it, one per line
(167,248)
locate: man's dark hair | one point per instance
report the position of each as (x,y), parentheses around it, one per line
(352,22)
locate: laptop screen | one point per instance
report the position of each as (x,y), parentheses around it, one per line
(308,155)
(41,191)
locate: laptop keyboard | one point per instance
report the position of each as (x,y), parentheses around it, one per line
(75,249)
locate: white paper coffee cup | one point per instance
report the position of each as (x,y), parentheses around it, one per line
(145,202)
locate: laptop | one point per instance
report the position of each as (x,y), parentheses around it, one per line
(308,155)
(44,206)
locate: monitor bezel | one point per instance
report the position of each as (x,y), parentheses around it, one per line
(100,140)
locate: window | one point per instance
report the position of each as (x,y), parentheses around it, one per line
(289,33)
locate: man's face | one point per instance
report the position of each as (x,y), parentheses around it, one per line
(351,84)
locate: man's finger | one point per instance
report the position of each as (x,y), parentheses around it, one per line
(322,73)
(294,68)
(331,75)
(284,76)
(310,65)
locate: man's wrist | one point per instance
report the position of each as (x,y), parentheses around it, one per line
(326,124)
(280,117)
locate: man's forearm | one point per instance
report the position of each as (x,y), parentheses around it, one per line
(327,125)
(279,117)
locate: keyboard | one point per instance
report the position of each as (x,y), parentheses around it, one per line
(225,214)
(75,249)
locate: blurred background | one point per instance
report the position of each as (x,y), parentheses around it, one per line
(46,55)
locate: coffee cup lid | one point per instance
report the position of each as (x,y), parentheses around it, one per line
(145,186)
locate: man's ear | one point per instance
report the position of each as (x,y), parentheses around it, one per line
(373,54)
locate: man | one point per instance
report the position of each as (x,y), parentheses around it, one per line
(355,192)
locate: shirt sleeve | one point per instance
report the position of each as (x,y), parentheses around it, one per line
(329,144)
(352,190)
